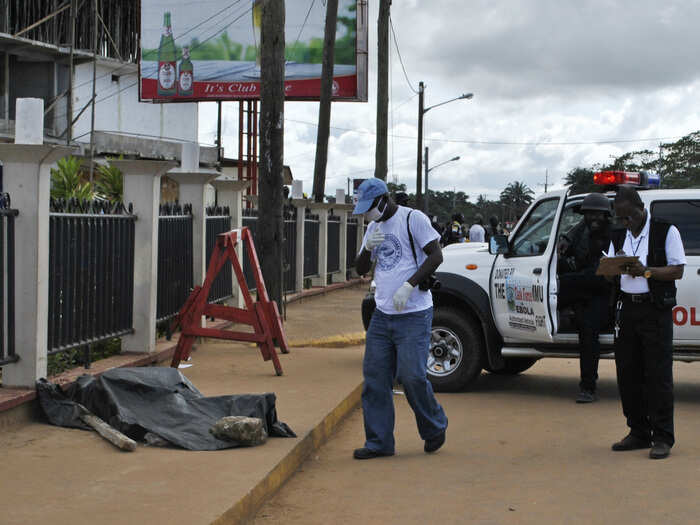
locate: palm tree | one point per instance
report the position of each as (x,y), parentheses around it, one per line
(517,196)
(67,181)
(110,182)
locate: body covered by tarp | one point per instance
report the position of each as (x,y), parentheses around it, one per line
(157,400)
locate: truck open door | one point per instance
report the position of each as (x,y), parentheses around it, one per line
(523,282)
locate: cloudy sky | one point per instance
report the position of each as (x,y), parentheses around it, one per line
(557,84)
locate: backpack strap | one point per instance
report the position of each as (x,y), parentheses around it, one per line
(410,237)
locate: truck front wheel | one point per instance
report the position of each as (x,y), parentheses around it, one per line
(456,351)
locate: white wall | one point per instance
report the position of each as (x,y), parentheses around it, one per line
(118,108)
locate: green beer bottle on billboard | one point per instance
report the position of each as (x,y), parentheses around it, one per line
(167,61)
(186,75)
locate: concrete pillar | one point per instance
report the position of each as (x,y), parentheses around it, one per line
(321,209)
(300,205)
(360,236)
(230,193)
(142,189)
(26,177)
(192,181)
(343,210)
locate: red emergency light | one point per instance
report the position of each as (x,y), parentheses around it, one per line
(614,178)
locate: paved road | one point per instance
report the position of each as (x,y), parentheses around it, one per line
(518,450)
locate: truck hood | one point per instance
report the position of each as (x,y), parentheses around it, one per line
(475,255)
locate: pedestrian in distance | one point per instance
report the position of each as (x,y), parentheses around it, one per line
(406,250)
(453,232)
(644,324)
(493,228)
(589,294)
(477,233)
(401,198)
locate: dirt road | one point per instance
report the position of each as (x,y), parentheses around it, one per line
(518,450)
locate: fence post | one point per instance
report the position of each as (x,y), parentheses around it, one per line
(27,178)
(300,205)
(343,210)
(142,188)
(321,209)
(230,193)
(192,181)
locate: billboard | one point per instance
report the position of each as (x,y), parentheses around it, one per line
(204,51)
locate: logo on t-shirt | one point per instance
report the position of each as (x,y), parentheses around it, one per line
(388,253)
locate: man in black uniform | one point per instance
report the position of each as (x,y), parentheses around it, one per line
(580,287)
(644,344)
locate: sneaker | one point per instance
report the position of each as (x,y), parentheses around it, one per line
(368,453)
(659,450)
(586,396)
(432,444)
(630,442)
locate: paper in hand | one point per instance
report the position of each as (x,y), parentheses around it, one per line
(615,265)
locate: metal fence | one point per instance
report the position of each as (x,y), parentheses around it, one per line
(333,251)
(311,237)
(7,281)
(218,221)
(91,274)
(289,248)
(175,270)
(351,243)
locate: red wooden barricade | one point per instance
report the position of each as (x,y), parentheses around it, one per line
(262,315)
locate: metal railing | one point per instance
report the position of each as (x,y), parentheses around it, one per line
(7,281)
(351,243)
(311,237)
(218,221)
(91,274)
(175,270)
(333,246)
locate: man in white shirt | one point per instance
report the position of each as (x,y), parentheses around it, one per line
(406,249)
(644,325)
(477,233)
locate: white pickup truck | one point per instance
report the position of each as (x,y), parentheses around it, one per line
(499,312)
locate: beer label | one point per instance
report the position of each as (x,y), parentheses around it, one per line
(185,81)
(166,75)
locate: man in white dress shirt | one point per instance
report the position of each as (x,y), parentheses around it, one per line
(644,325)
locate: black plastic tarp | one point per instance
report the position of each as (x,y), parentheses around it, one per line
(158,400)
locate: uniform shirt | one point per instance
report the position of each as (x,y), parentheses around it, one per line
(395,262)
(639,246)
(477,233)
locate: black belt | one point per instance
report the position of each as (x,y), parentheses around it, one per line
(637,297)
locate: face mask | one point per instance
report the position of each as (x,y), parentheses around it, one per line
(375,213)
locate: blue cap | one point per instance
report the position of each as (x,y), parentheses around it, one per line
(367,192)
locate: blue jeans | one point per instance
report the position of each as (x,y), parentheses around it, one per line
(398,345)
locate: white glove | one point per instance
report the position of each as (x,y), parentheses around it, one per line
(401,296)
(375,239)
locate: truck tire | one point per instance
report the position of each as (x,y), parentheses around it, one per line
(514,366)
(456,351)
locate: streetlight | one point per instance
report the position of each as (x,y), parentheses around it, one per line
(428,170)
(422,111)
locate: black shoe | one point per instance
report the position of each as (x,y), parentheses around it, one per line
(368,453)
(432,444)
(659,450)
(586,396)
(631,442)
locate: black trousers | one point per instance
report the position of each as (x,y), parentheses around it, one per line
(589,295)
(644,360)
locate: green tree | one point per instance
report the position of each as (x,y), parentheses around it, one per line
(680,162)
(110,182)
(67,180)
(580,180)
(517,196)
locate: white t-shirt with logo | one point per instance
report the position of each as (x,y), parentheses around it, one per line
(395,262)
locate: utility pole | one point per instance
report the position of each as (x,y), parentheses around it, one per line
(270,220)
(427,196)
(69,100)
(324,110)
(419,190)
(546,180)
(380,158)
(94,80)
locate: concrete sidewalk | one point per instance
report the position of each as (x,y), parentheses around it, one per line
(71,476)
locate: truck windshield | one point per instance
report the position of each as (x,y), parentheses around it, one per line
(533,236)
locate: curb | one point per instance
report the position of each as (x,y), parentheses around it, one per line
(245,508)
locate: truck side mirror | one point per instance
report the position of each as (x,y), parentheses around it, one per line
(498,245)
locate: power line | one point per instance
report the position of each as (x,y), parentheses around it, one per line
(396,44)
(305,19)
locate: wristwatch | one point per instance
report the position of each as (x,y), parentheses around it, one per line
(647,273)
